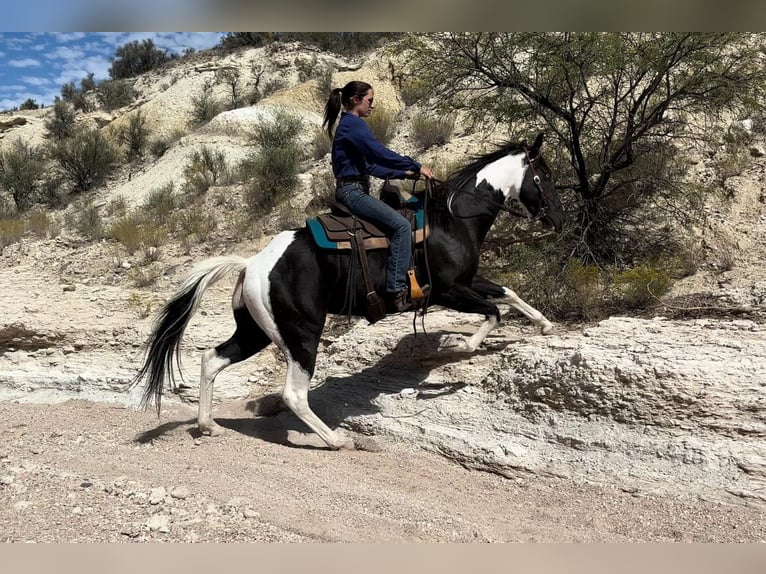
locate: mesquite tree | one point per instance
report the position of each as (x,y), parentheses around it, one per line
(624,107)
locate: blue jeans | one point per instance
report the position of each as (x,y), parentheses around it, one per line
(356,197)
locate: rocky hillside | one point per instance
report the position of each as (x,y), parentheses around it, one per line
(673,403)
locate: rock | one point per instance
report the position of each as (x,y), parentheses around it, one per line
(159,522)
(68,288)
(157,495)
(180,492)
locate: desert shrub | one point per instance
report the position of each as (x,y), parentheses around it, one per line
(11,230)
(585,288)
(141,304)
(128,230)
(76,97)
(274,167)
(204,105)
(89,223)
(323,192)
(640,286)
(160,204)
(232,78)
(134,136)
(88,83)
(61,123)
(136,58)
(431,131)
(306,67)
(276,174)
(194,222)
(21,170)
(321,145)
(324,82)
(144,276)
(382,125)
(29,104)
(113,94)
(39,223)
(159,146)
(413,90)
(206,167)
(136,232)
(117,206)
(85,159)
(283,130)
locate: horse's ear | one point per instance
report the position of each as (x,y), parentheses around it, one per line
(538,143)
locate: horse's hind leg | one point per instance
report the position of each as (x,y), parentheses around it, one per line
(301,344)
(247,340)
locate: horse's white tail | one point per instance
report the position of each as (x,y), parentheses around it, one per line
(204,275)
(163,350)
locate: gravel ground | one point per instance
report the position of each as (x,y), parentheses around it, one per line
(81,471)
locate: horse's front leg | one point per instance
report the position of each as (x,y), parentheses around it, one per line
(491,290)
(466,300)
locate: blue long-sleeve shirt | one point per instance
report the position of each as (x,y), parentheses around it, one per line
(356,152)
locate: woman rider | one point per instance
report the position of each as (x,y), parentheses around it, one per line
(356,155)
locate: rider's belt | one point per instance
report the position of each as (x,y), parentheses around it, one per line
(357,179)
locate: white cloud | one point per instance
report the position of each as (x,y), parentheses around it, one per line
(24,63)
(36,80)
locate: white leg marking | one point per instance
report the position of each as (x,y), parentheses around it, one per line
(546,327)
(461,343)
(295,395)
(212,364)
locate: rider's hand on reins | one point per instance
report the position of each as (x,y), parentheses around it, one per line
(426,173)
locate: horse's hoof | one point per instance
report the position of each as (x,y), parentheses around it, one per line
(453,343)
(546,328)
(346,444)
(212,430)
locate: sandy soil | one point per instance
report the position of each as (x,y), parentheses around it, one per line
(92,472)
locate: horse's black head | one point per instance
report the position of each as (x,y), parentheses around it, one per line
(538,193)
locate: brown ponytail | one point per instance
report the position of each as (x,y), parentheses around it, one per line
(340,97)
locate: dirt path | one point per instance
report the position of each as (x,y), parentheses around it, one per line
(89,472)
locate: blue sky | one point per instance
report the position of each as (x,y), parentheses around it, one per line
(36,64)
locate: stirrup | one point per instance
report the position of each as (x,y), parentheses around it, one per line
(417,292)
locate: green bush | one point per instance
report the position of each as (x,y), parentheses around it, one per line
(382,125)
(159,146)
(39,223)
(21,169)
(431,131)
(283,130)
(413,90)
(160,204)
(640,286)
(113,94)
(88,222)
(29,104)
(324,82)
(206,167)
(135,136)
(85,159)
(76,97)
(204,105)
(321,145)
(11,230)
(274,168)
(276,174)
(136,58)
(136,231)
(61,124)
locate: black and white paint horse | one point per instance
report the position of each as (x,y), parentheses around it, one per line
(284,293)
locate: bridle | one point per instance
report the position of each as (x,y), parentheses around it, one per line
(542,211)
